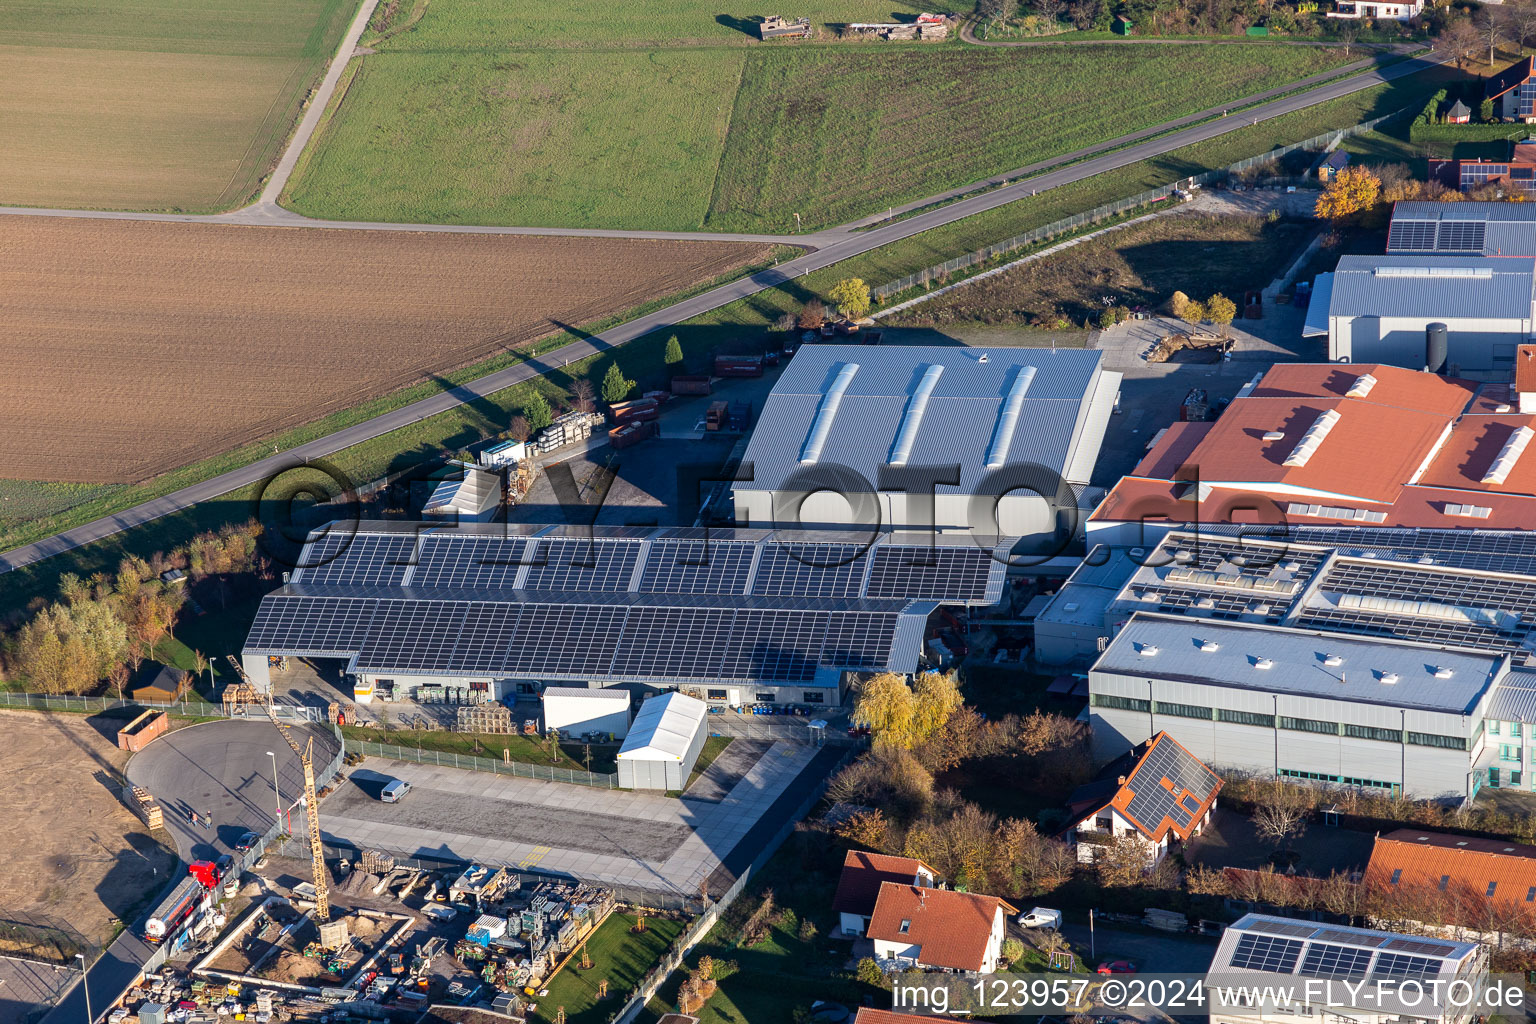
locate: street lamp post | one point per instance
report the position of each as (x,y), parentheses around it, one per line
(277,797)
(85,983)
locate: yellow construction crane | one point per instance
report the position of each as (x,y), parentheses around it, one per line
(311,803)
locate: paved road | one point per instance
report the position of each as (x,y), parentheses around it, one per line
(836,245)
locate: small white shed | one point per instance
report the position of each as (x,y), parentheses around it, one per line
(664,743)
(578,710)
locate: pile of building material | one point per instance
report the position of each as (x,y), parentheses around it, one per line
(145,806)
(1165,920)
(927,28)
(567,429)
(777,27)
(484,718)
(1178,341)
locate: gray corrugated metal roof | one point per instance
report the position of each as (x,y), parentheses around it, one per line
(598,692)
(1373,286)
(1515,698)
(1297,663)
(957,425)
(1318,308)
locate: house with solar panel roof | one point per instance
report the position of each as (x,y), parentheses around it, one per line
(731,617)
(1281,953)
(1159,795)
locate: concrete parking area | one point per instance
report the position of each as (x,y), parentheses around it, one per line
(1162,952)
(1230,841)
(613,837)
(28,988)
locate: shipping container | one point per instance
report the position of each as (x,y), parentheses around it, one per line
(738,366)
(717,416)
(136,734)
(641,409)
(631,433)
(692,384)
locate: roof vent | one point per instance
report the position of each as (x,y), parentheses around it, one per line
(1146,650)
(1509,455)
(1333,660)
(1503,407)
(821,426)
(1314,436)
(1388,678)
(1362,386)
(1443,673)
(1209,645)
(1138,552)
(1070,606)
(982,358)
(1263,663)
(1008,417)
(906,437)
(1274,435)
(1462,843)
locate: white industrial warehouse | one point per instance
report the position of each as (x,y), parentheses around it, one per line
(664,743)
(582,711)
(996,442)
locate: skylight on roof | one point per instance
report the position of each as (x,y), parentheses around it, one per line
(1320,429)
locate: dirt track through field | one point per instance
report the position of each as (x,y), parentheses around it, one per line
(130,347)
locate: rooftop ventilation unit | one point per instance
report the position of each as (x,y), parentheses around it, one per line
(1263,664)
(826,412)
(1443,673)
(1469,511)
(1332,660)
(1508,455)
(1483,273)
(906,437)
(1146,650)
(1274,435)
(981,358)
(1389,678)
(1008,417)
(1362,386)
(1314,436)
(1209,645)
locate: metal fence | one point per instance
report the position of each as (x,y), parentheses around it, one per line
(700,927)
(1078,221)
(545,772)
(65,702)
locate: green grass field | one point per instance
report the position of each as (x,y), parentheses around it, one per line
(620,957)
(587,116)
(155,104)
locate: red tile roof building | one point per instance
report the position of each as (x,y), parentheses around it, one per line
(1167,795)
(1330,444)
(939,929)
(859,884)
(1490,869)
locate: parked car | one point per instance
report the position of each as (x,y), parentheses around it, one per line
(1117,967)
(1040,917)
(394,790)
(439,912)
(246,841)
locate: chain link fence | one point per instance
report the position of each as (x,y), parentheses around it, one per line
(544,772)
(196,707)
(1078,221)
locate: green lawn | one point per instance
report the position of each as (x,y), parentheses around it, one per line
(620,957)
(460,120)
(714,746)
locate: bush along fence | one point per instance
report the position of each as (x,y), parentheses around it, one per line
(1079,221)
(546,772)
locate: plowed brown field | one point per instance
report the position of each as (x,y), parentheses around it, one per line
(131,347)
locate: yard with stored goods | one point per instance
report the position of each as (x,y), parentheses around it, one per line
(668,122)
(129,347)
(155,104)
(73,853)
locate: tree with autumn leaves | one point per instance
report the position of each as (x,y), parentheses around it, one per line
(1351,192)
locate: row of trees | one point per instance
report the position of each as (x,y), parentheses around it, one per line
(1464,39)
(1173,17)
(103,628)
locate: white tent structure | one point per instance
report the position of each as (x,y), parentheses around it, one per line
(578,710)
(663,743)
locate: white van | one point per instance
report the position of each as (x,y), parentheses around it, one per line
(394,790)
(1041,917)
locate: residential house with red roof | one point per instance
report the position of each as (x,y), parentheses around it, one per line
(1486,883)
(1159,794)
(938,929)
(859,885)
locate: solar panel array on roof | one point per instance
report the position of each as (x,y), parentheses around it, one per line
(363,560)
(569,563)
(1257,952)
(1461,236)
(471,563)
(697,567)
(1404,945)
(929,572)
(1302,931)
(1152,801)
(619,641)
(1325,960)
(1411,236)
(821,570)
(1395,965)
